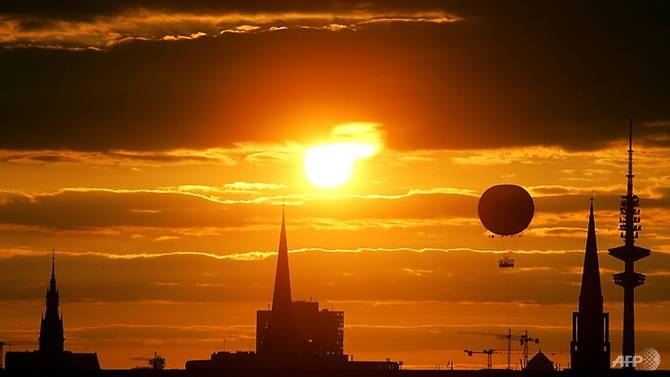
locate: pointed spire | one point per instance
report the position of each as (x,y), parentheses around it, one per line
(281,299)
(283,243)
(52,282)
(590,295)
(591,243)
(51,330)
(630,157)
(590,345)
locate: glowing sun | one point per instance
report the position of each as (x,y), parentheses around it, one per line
(332,165)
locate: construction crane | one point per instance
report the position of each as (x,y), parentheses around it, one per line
(489,356)
(524,340)
(155,362)
(11,343)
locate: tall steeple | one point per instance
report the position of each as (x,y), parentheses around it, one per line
(590,346)
(51,329)
(281,299)
(629,253)
(52,282)
(590,295)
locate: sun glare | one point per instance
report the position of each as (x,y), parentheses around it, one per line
(332,165)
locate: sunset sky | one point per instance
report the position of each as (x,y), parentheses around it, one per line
(152,144)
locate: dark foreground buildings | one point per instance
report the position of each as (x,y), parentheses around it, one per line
(297,327)
(293,335)
(51,354)
(590,345)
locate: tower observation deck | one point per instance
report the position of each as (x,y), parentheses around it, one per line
(629,253)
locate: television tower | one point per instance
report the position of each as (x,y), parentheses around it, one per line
(629,253)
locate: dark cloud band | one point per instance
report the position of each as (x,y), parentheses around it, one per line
(551,79)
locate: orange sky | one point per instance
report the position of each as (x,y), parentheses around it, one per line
(152,147)
(399,249)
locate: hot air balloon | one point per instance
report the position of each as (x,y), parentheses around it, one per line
(505,210)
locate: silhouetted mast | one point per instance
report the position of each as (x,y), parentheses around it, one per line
(631,218)
(629,253)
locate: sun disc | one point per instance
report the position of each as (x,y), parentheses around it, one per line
(332,165)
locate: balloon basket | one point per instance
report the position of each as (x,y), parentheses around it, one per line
(506,263)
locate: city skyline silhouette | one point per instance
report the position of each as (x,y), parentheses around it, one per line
(154,146)
(295,334)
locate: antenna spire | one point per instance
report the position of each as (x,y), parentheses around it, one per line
(630,157)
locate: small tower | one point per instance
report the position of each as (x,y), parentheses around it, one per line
(51,329)
(629,253)
(590,345)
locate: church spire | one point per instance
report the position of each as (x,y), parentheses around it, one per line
(590,346)
(281,299)
(590,295)
(51,329)
(52,282)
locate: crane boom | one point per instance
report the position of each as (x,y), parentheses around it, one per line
(489,355)
(523,339)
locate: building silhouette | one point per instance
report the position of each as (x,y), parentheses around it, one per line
(51,329)
(51,354)
(292,335)
(296,328)
(590,345)
(539,363)
(629,253)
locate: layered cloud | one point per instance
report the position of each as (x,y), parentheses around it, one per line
(171,201)
(136,23)
(102,32)
(431,275)
(475,82)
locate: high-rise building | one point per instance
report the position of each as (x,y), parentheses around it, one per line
(292,335)
(296,328)
(590,345)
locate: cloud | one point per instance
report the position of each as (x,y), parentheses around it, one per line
(473,84)
(75,208)
(101,31)
(253,187)
(240,215)
(95,9)
(430,275)
(120,157)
